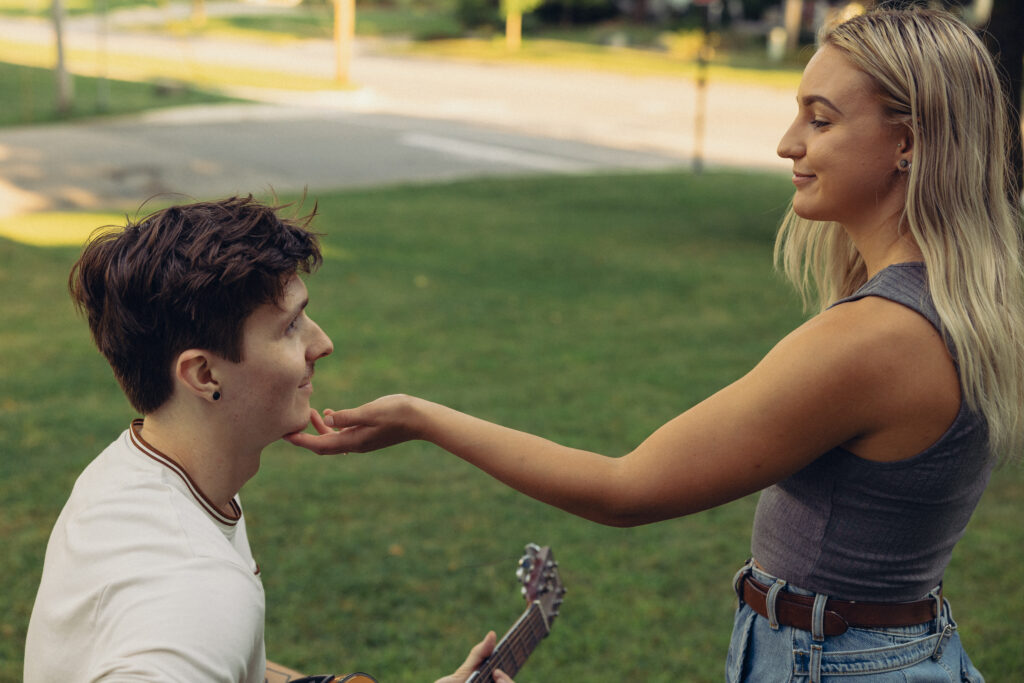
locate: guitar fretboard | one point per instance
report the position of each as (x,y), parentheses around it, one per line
(515,646)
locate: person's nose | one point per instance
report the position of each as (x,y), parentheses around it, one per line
(321,345)
(791,145)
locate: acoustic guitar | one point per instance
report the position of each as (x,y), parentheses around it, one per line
(282,674)
(542,587)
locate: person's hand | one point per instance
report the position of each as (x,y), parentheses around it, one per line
(478,654)
(378,424)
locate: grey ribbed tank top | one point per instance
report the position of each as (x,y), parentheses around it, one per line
(862,530)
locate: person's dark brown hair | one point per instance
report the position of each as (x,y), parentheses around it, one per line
(185,277)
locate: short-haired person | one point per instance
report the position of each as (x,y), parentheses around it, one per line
(148,574)
(872,429)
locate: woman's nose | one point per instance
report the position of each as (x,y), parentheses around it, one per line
(790,147)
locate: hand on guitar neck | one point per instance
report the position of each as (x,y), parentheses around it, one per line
(281,674)
(542,587)
(488,660)
(480,652)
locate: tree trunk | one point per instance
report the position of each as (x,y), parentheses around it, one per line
(513,30)
(199,13)
(793,19)
(344,39)
(65,85)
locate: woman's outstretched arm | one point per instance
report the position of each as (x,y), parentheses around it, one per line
(839,378)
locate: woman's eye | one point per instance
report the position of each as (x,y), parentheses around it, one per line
(819,123)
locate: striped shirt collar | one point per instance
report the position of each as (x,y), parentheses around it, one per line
(197,493)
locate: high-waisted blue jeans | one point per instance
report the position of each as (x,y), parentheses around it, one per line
(929,652)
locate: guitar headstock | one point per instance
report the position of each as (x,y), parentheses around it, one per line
(538,572)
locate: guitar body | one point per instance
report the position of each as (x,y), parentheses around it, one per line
(543,590)
(277,675)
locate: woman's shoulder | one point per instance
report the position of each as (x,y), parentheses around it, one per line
(897,366)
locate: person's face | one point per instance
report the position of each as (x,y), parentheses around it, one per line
(844,151)
(269,389)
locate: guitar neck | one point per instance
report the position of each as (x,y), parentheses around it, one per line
(515,646)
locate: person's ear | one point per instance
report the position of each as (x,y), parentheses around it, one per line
(194,372)
(905,149)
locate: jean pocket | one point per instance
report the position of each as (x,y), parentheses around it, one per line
(739,644)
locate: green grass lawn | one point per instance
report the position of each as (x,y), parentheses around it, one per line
(586,309)
(32,95)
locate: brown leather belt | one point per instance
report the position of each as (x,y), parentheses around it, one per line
(796,610)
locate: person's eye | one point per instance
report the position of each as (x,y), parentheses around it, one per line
(819,123)
(294,324)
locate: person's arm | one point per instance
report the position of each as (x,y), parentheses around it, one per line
(277,673)
(829,382)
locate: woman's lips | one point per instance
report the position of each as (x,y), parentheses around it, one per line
(801,179)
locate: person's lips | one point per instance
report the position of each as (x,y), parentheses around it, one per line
(801,179)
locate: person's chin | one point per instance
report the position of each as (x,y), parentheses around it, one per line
(807,212)
(299,421)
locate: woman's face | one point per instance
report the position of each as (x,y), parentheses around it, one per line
(845,152)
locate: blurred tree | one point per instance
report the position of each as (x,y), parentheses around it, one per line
(65,84)
(514,11)
(476,13)
(199,13)
(566,12)
(793,18)
(344,38)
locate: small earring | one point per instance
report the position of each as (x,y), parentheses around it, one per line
(216,396)
(904,165)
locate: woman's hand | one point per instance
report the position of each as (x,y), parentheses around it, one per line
(387,421)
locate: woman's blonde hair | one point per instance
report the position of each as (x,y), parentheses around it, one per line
(935,76)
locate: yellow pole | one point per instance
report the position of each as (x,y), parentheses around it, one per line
(513,30)
(344,37)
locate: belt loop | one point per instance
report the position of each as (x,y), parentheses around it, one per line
(815,664)
(947,631)
(773,593)
(739,576)
(940,614)
(818,617)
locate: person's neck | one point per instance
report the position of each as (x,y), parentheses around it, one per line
(210,453)
(882,245)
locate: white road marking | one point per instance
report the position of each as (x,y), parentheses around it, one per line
(502,155)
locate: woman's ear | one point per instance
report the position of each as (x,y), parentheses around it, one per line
(194,372)
(905,148)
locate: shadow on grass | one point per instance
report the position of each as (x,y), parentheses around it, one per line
(30,96)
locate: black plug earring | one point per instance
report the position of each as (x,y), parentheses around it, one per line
(216,396)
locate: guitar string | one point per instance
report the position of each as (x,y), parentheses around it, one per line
(529,632)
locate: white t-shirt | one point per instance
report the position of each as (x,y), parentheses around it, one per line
(145,580)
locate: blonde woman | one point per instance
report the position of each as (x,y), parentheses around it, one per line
(873,428)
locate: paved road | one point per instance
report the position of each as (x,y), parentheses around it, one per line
(409,120)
